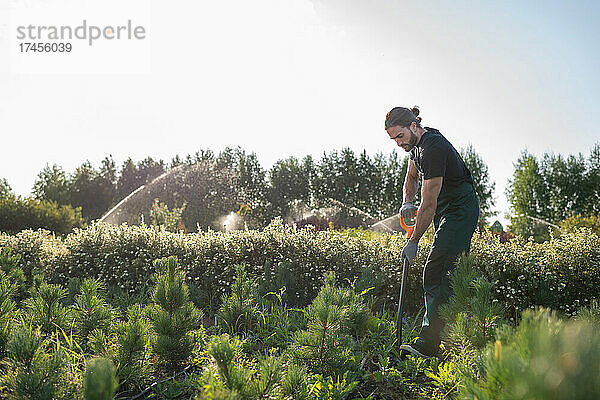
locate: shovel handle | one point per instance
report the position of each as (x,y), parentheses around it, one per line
(408,228)
(405,267)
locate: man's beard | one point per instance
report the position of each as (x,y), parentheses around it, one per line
(412,142)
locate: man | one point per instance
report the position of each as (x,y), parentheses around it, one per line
(448,199)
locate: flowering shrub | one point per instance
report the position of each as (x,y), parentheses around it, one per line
(38,250)
(122,256)
(563,273)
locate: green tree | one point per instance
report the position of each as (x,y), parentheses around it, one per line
(106,183)
(370,185)
(249,177)
(327,177)
(393,170)
(203,155)
(5,189)
(592,183)
(94,190)
(484,187)
(287,181)
(527,196)
(52,184)
(83,192)
(129,179)
(135,175)
(349,178)
(17,214)
(338,177)
(565,184)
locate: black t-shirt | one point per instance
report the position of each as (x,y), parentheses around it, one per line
(435,156)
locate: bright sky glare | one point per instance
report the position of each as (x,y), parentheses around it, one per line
(293,77)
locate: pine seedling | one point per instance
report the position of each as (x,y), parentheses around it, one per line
(173,315)
(90,310)
(294,384)
(249,380)
(100,381)
(227,355)
(99,344)
(9,264)
(334,322)
(326,388)
(131,357)
(33,373)
(224,352)
(239,310)
(544,358)
(8,310)
(470,312)
(267,377)
(45,308)
(73,287)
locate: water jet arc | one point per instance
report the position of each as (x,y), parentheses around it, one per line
(113,211)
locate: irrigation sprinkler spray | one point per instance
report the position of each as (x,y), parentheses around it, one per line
(115,211)
(387,224)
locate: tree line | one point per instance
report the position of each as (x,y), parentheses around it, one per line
(547,190)
(372,184)
(543,192)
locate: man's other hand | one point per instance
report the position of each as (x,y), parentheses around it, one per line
(410,251)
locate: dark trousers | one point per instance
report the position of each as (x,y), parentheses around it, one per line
(454,228)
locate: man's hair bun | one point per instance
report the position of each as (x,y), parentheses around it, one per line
(415,111)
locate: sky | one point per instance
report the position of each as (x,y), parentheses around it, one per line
(287,78)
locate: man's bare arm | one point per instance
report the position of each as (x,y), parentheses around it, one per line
(429,194)
(411,182)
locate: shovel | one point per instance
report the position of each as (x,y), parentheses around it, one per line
(405,266)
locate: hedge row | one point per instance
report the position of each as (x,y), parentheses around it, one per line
(563,273)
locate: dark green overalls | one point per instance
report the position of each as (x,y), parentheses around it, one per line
(455,221)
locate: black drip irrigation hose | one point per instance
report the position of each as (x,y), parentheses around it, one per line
(149,388)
